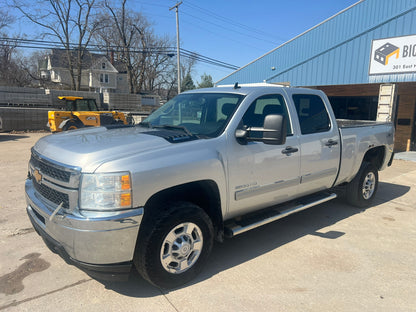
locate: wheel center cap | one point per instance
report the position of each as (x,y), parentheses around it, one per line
(185,249)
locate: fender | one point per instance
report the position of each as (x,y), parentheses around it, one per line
(74,118)
(63,123)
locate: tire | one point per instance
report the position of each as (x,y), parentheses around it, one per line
(173,246)
(363,188)
(72,125)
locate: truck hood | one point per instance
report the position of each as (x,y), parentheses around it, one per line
(89,148)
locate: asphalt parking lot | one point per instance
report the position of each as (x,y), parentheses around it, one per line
(332,257)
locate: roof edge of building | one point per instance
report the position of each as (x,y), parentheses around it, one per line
(294,38)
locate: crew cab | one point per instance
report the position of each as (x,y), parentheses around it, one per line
(209,164)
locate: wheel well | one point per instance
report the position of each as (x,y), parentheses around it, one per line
(204,194)
(375,156)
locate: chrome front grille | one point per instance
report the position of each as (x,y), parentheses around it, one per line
(55,182)
(52,195)
(50,170)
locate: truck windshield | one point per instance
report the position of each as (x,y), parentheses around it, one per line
(201,114)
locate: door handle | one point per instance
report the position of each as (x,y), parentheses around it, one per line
(289,150)
(331,143)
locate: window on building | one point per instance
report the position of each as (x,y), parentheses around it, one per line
(104,78)
(312,114)
(103,65)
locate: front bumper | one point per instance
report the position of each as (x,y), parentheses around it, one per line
(102,245)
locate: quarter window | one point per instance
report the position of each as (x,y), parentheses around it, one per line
(312,113)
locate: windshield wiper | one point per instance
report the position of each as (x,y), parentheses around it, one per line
(172,127)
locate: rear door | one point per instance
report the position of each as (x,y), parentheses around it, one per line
(319,139)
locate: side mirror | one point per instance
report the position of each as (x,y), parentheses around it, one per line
(274,131)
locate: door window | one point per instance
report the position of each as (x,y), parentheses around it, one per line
(272,104)
(312,113)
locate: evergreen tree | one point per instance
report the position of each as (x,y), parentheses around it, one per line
(206,81)
(187,83)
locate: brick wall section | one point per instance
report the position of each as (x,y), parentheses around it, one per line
(21,118)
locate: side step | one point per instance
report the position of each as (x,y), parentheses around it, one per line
(252,221)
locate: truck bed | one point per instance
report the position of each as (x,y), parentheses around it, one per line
(348,123)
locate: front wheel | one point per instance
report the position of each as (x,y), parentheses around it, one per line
(363,188)
(173,247)
(72,125)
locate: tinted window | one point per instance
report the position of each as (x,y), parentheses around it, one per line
(271,104)
(312,113)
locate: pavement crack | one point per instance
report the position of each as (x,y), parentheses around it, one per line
(16,303)
(18,232)
(170,302)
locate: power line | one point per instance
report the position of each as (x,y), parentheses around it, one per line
(226,37)
(235,24)
(169,51)
(222,27)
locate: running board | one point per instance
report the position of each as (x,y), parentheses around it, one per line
(275,213)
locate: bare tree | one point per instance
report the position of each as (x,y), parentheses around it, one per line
(146,56)
(68,21)
(5,20)
(11,72)
(35,66)
(187,66)
(130,40)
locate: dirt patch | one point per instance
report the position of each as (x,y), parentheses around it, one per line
(12,283)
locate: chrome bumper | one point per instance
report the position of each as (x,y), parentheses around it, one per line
(89,240)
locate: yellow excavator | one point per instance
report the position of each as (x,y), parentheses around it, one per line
(80,112)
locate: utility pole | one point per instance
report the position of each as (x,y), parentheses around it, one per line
(178,55)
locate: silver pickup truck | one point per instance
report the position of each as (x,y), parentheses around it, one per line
(209,164)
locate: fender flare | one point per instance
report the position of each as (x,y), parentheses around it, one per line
(63,123)
(74,119)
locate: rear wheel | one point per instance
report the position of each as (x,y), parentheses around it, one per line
(173,247)
(363,188)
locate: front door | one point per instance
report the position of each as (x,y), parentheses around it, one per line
(261,175)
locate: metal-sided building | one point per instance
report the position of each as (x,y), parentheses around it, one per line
(364,58)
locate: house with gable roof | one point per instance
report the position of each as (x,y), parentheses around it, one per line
(100,73)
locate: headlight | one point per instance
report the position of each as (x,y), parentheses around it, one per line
(105,191)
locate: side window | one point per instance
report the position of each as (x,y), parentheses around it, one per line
(92,105)
(271,104)
(312,114)
(82,105)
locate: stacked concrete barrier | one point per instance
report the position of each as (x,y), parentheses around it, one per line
(21,118)
(53,94)
(27,108)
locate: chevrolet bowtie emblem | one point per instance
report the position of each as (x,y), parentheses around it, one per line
(37,175)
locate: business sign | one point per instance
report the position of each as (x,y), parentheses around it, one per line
(393,55)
